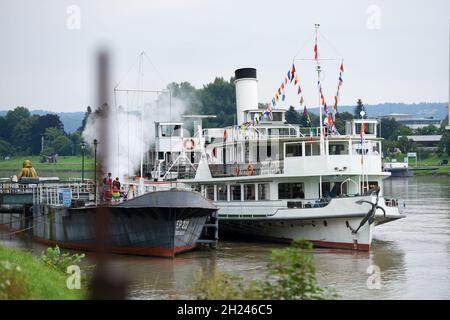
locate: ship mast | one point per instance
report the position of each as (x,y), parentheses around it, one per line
(319,70)
(141,85)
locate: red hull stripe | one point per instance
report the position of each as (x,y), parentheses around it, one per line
(342,245)
(144,251)
(323,244)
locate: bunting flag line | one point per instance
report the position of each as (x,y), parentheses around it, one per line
(336,97)
(295,80)
(301,100)
(293,72)
(316,52)
(289,75)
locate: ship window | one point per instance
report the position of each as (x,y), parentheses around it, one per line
(235,190)
(222,192)
(291,191)
(293,150)
(312,149)
(263,191)
(249,192)
(277,116)
(209,192)
(170,130)
(337,148)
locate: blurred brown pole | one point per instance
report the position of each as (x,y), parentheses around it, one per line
(105,283)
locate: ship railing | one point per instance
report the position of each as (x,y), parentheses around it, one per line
(134,189)
(268,167)
(16,188)
(53,193)
(391,202)
(236,134)
(307,203)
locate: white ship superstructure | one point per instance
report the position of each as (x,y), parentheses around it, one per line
(274,181)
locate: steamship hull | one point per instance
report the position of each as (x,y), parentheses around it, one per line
(161,223)
(327,227)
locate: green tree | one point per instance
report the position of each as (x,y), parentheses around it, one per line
(6,149)
(76,139)
(4,134)
(428,130)
(388,126)
(340,119)
(406,145)
(443,125)
(218,98)
(38,129)
(13,118)
(84,121)
(359,107)
(57,141)
(401,131)
(22,136)
(16,115)
(445,143)
(63,145)
(292,116)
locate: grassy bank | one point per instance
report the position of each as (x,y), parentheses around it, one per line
(65,168)
(31,278)
(430,162)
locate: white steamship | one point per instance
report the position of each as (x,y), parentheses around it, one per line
(275,181)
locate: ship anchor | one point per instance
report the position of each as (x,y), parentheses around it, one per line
(370,216)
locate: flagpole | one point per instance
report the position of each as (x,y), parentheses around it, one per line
(316,56)
(319,100)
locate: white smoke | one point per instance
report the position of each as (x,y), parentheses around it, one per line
(131,132)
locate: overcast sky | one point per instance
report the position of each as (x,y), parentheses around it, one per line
(394,51)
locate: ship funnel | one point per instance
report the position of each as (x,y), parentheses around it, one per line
(246,92)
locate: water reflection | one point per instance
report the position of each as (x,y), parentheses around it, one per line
(413,255)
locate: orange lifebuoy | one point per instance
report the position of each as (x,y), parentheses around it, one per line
(189,144)
(250,169)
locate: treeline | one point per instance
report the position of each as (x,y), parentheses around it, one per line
(21,133)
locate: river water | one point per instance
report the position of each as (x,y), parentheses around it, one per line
(412,254)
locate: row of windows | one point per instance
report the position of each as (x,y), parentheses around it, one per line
(248,191)
(236,191)
(296,150)
(286,191)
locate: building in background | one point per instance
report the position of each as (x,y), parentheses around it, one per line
(426,142)
(412,122)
